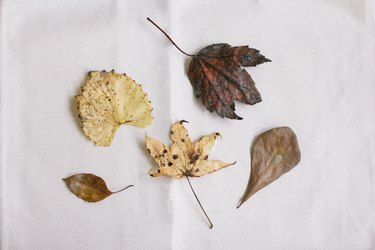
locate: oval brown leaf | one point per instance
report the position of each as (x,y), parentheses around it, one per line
(89,187)
(274,153)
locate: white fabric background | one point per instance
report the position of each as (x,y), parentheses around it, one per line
(321,83)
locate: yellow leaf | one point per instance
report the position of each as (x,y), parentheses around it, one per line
(184,158)
(109,100)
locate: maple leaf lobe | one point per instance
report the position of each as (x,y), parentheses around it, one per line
(218,78)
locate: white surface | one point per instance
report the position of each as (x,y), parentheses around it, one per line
(321,83)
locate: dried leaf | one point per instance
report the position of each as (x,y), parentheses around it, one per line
(274,153)
(108,101)
(218,78)
(89,187)
(184,158)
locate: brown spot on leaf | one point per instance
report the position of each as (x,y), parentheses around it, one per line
(195,156)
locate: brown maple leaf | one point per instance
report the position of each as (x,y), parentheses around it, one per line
(218,77)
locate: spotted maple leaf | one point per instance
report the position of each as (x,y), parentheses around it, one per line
(184,157)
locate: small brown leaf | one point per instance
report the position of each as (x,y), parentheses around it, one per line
(274,153)
(89,187)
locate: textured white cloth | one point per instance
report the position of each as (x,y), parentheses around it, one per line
(321,83)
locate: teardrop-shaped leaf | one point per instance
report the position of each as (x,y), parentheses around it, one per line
(89,187)
(274,153)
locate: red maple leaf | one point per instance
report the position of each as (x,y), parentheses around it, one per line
(218,77)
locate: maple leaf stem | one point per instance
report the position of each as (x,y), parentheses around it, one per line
(170,39)
(196,197)
(123,189)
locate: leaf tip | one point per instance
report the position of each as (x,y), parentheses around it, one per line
(240,202)
(217,134)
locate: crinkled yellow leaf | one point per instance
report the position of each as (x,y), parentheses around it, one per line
(108,100)
(184,158)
